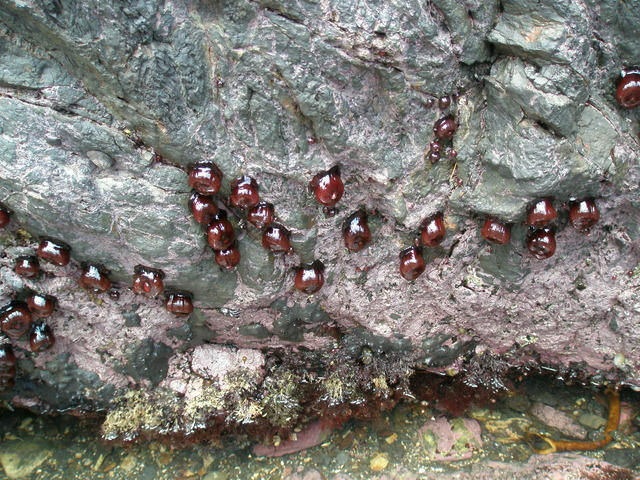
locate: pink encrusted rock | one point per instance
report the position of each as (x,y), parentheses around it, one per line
(539,467)
(450,440)
(313,434)
(311,474)
(213,362)
(397,473)
(559,420)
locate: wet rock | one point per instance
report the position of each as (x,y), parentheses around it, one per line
(305,474)
(519,403)
(311,435)
(218,475)
(20,458)
(450,440)
(255,330)
(508,431)
(148,360)
(217,361)
(554,418)
(99,124)
(592,421)
(623,457)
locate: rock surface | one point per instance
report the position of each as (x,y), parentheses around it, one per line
(19,459)
(103,107)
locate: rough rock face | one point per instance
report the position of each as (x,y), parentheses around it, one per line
(103,107)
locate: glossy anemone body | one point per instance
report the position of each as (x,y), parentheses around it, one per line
(179,303)
(229,257)
(628,88)
(433,231)
(541,213)
(434,156)
(148,281)
(496,231)
(27,266)
(41,338)
(356,232)
(41,305)
(205,178)
(541,243)
(5,216)
(583,214)
(412,263)
(309,277)
(54,251)
(444,102)
(15,319)
(276,239)
(7,367)
(262,215)
(203,208)
(328,187)
(445,127)
(220,232)
(94,278)
(244,193)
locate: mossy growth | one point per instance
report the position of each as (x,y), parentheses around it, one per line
(200,409)
(295,389)
(338,388)
(281,402)
(141,413)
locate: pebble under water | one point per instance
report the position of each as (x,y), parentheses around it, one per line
(414,441)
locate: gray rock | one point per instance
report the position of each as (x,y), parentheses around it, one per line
(148,360)
(592,421)
(100,120)
(20,458)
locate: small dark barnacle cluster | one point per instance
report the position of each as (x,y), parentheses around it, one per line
(444,129)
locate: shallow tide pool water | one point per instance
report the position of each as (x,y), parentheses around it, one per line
(414,441)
